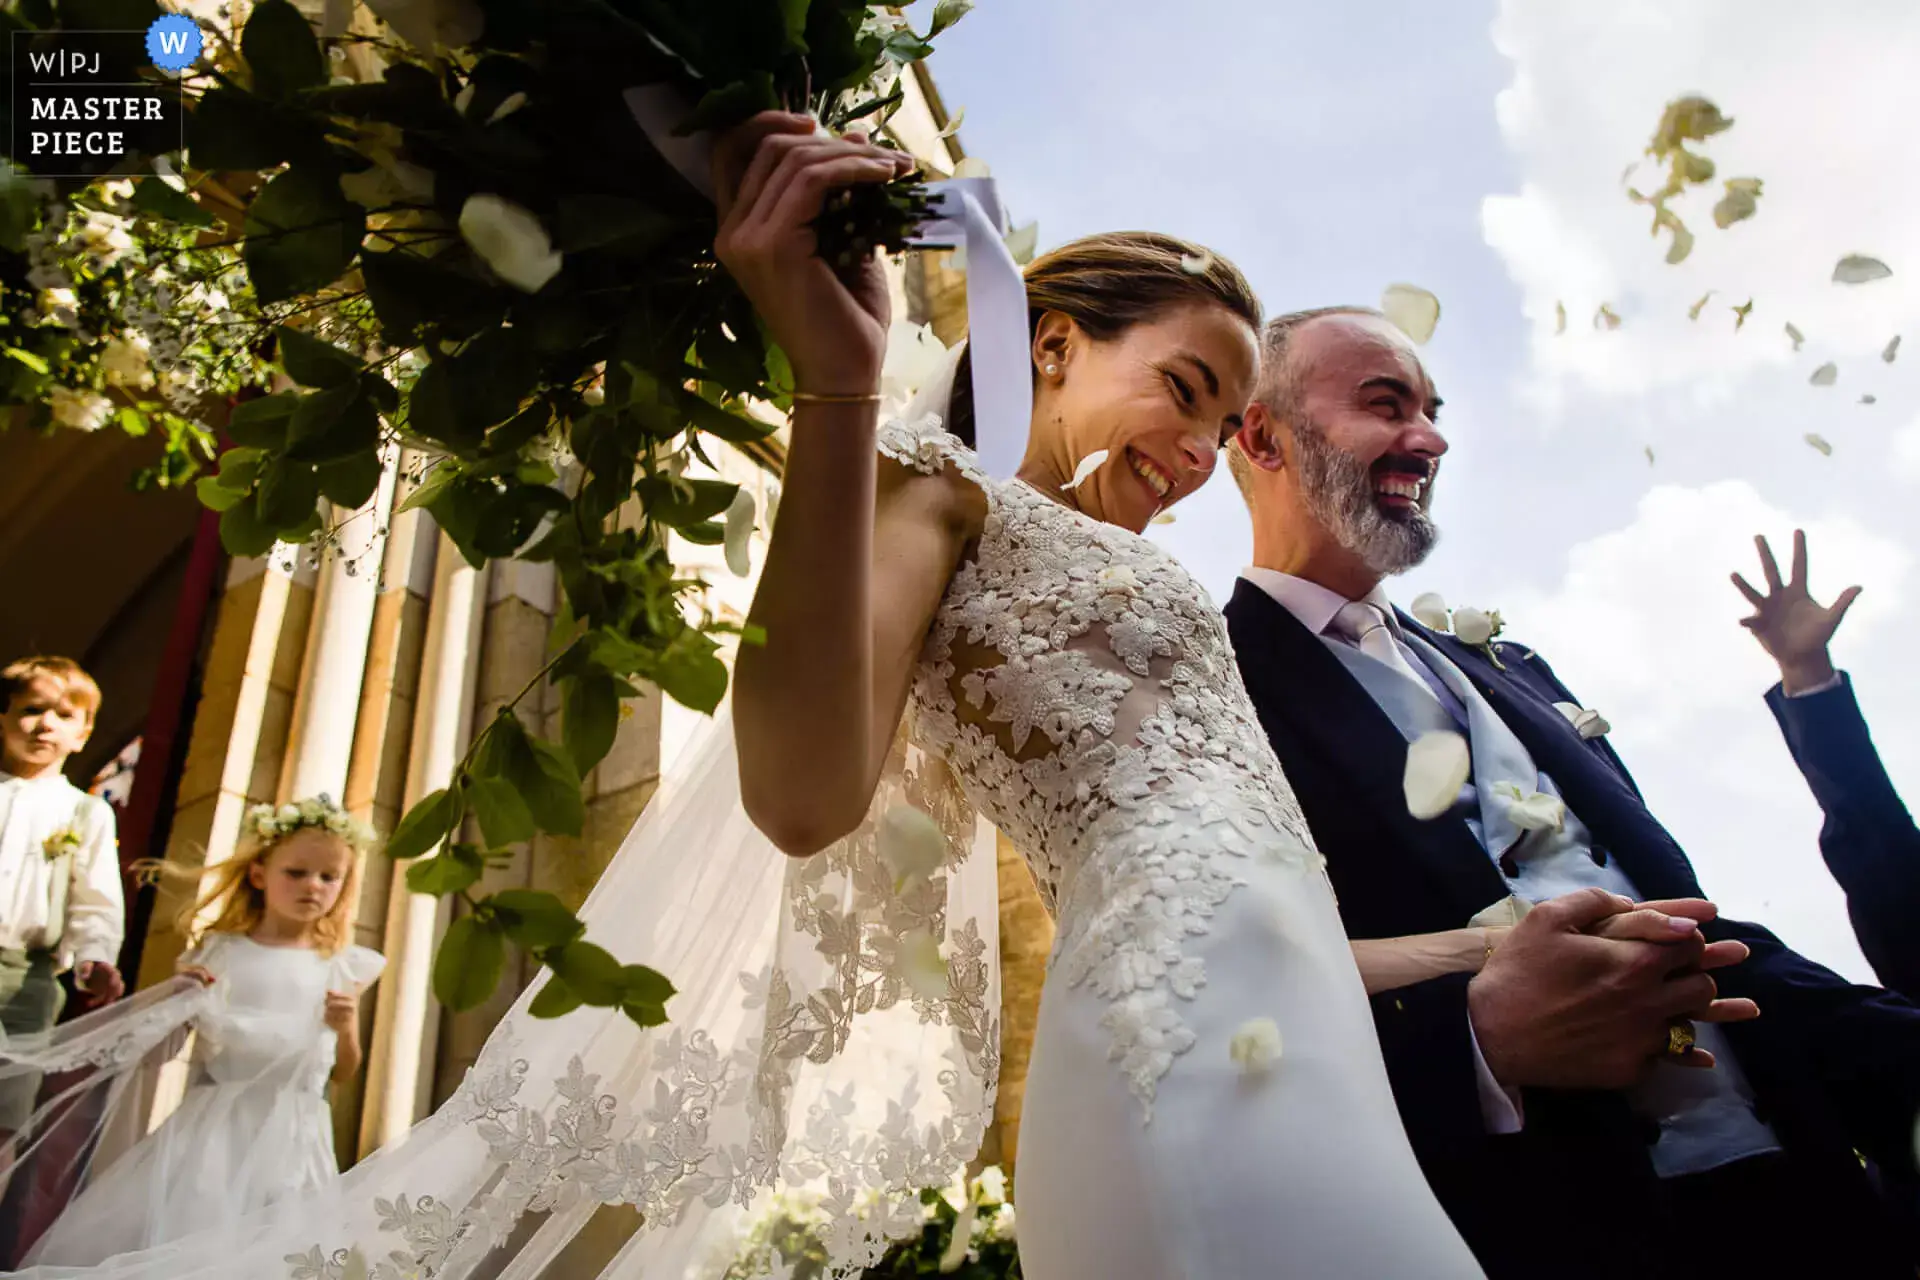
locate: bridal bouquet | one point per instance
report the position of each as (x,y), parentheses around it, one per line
(969,1233)
(441,223)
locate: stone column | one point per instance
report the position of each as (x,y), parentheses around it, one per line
(406,1017)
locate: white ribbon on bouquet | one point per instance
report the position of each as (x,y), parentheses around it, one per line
(966,212)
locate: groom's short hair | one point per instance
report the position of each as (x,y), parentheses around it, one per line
(1280,379)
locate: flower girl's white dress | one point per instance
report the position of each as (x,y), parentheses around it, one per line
(253,1128)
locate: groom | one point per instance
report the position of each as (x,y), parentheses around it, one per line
(1544,1096)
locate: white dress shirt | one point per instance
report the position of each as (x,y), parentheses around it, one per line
(70,903)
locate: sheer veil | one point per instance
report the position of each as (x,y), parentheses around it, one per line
(833,1050)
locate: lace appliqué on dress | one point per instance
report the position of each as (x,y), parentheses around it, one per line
(1083,688)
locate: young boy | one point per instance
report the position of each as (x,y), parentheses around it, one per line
(60,902)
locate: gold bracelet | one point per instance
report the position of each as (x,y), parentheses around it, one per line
(808,397)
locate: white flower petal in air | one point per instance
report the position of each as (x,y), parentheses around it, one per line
(1649,452)
(1559,317)
(82,410)
(739,532)
(962,1241)
(1590,724)
(1255,1047)
(952,126)
(1196,264)
(920,965)
(1858,268)
(1826,375)
(1165,517)
(1022,242)
(1892,349)
(1506,913)
(464,99)
(510,240)
(1693,312)
(1437,767)
(1430,611)
(1869,398)
(914,356)
(1474,626)
(1795,336)
(1605,318)
(512,103)
(972,167)
(1818,441)
(1413,310)
(1532,811)
(1740,314)
(1088,465)
(910,843)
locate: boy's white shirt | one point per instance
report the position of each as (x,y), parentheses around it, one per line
(72,904)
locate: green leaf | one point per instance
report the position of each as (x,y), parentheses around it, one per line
(28,359)
(682,503)
(469,964)
(731,104)
(243,533)
(456,869)
(313,363)
(281,50)
(411,293)
(158,199)
(553,794)
(591,707)
(107,15)
(536,920)
(231,129)
(301,233)
(350,481)
(946,13)
(643,1014)
(691,673)
(589,221)
(503,815)
(591,971)
(262,423)
(734,428)
(214,497)
(645,985)
(555,999)
(289,495)
(708,533)
(442,475)
(794,14)
(424,826)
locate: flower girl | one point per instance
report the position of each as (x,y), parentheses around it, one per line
(272,992)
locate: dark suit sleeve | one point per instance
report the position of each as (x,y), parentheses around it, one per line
(1869,839)
(1427,1042)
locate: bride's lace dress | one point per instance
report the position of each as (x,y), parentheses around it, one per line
(1205,1099)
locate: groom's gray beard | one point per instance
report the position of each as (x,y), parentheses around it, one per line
(1339,491)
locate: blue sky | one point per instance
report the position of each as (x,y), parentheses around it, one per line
(1475,149)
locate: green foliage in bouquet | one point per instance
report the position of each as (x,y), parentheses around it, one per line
(967,1232)
(471,252)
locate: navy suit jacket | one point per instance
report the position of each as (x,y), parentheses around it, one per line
(1835,1067)
(1869,840)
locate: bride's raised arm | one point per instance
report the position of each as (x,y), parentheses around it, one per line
(858,562)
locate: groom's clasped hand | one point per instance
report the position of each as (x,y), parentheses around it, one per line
(1583,991)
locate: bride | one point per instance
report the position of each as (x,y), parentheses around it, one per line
(1206,1097)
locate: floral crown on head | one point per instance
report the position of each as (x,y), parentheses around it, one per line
(271,823)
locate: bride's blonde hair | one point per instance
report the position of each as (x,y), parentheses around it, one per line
(1108,283)
(222,898)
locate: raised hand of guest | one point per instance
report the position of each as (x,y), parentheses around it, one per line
(1793,627)
(99,982)
(1558,1006)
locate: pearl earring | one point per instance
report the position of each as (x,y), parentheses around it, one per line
(1053,370)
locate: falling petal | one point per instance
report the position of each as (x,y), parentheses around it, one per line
(464,99)
(1740,314)
(1689,119)
(1531,811)
(1413,309)
(952,126)
(1628,172)
(1693,312)
(1819,442)
(1682,238)
(1088,465)
(1475,626)
(1605,317)
(1559,317)
(1892,349)
(1869,398)
(1255,1047)
(1196,264)
(1739,204)
(1649,452)
(921,966)
(972,167)
(1165,517)
(739,532)
(1437,767)
(1857,268)
(1429,609)
(910,843)
(1826,375)
(1589,724)
(1795,336)
(1022,241)
(512,103)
